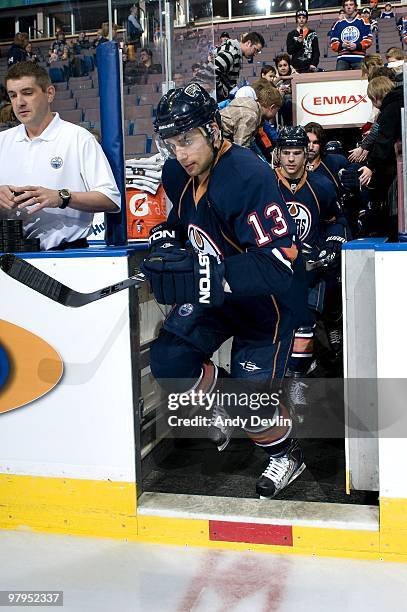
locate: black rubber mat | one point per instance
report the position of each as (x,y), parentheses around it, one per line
(195,467)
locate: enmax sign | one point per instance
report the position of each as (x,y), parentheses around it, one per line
(333,103)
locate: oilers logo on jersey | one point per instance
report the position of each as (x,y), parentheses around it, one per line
(350,34)
(302,217)
(202,242)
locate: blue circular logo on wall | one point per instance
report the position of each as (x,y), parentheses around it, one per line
(4,367)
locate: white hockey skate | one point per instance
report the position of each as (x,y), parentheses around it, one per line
(282,469)
(220,433)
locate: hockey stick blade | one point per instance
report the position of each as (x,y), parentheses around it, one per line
(319,263)
(39,281)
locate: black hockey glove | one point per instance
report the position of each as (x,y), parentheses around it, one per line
(349,178)
(330,251)
(178,276)
(164,234)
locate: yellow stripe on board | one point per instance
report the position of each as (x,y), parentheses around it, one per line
(393,525)
(108,509)
(173,530)
(393,513)
(318,538)
(69,493)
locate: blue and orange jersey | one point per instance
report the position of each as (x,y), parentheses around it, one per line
(238,214)
(356,31)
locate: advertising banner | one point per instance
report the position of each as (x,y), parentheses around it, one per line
(332,100)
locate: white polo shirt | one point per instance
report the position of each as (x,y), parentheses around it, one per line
(65,156)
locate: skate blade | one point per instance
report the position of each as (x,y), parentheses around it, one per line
(293,477)
(222,447)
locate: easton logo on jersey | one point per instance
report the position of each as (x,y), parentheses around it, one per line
(202,242)
(302,218)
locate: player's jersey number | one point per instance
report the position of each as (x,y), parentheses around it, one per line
(272,211)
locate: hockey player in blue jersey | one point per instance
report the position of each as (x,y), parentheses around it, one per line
(321,163)
(241,278)
(313,203)
(326,159)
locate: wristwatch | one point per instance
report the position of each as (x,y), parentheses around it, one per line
(65,196)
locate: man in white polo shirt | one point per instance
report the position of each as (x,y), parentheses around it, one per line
(54,173)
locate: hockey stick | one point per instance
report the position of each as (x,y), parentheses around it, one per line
(39,281)
(319,263)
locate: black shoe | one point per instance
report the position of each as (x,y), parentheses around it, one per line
(280,471)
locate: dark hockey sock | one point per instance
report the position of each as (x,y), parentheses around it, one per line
(278,449)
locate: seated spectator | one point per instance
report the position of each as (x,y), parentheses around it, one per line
(31,56)
(146,62)
(82,44)
(285,73)
(244,115)
(387,12)
(147,66)
(302,44)
(17,52)
(59,49)
(369,63)
(268,73)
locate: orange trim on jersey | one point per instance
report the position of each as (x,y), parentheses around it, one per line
(366,43)
(285,182)
(290,252)
(275,360)
(315,197)
(328,170)
(238,248)
(264,137)
(335,45)
(203,186)
(278,317)
(315,166)
(182,195)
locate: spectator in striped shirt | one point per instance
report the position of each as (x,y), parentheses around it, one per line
(229,59)
(350,38)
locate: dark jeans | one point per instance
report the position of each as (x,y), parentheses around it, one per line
(343,64)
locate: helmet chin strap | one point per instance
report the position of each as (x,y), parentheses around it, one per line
(209,131)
